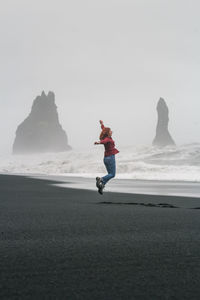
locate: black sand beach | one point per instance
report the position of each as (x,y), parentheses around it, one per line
(62,243)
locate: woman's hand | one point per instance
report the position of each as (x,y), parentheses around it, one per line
(96,143)
(101,122)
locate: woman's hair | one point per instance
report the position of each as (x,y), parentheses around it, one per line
(104,133)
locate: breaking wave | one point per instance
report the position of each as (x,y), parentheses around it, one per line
(180,163)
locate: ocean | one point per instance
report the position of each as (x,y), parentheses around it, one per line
(180,163)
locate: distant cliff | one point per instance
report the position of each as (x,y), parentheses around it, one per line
(41,130)
(163,137)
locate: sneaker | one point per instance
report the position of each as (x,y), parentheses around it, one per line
(101,187)
(98,181)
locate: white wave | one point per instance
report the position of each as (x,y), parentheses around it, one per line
(149,163)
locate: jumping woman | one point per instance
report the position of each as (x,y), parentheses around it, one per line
(109,156)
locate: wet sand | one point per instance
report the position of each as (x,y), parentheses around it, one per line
(64,243)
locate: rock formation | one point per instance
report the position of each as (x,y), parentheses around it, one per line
(163,137)
(41,130)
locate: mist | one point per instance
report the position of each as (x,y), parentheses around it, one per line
(109,60)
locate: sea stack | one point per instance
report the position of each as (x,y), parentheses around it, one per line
(41,130)
(163,137)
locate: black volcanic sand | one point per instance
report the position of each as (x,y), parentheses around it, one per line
(58,243)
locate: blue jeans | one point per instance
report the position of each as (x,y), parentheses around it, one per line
(109,162)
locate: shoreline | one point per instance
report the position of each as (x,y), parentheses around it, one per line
(126,186)
(83,176)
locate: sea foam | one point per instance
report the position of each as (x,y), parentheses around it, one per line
(180,163)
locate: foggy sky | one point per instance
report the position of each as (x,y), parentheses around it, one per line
(108,59)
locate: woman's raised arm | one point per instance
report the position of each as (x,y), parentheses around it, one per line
(102,126)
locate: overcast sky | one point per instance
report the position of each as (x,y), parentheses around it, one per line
(105,59)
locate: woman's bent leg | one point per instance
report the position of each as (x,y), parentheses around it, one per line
(110,165)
